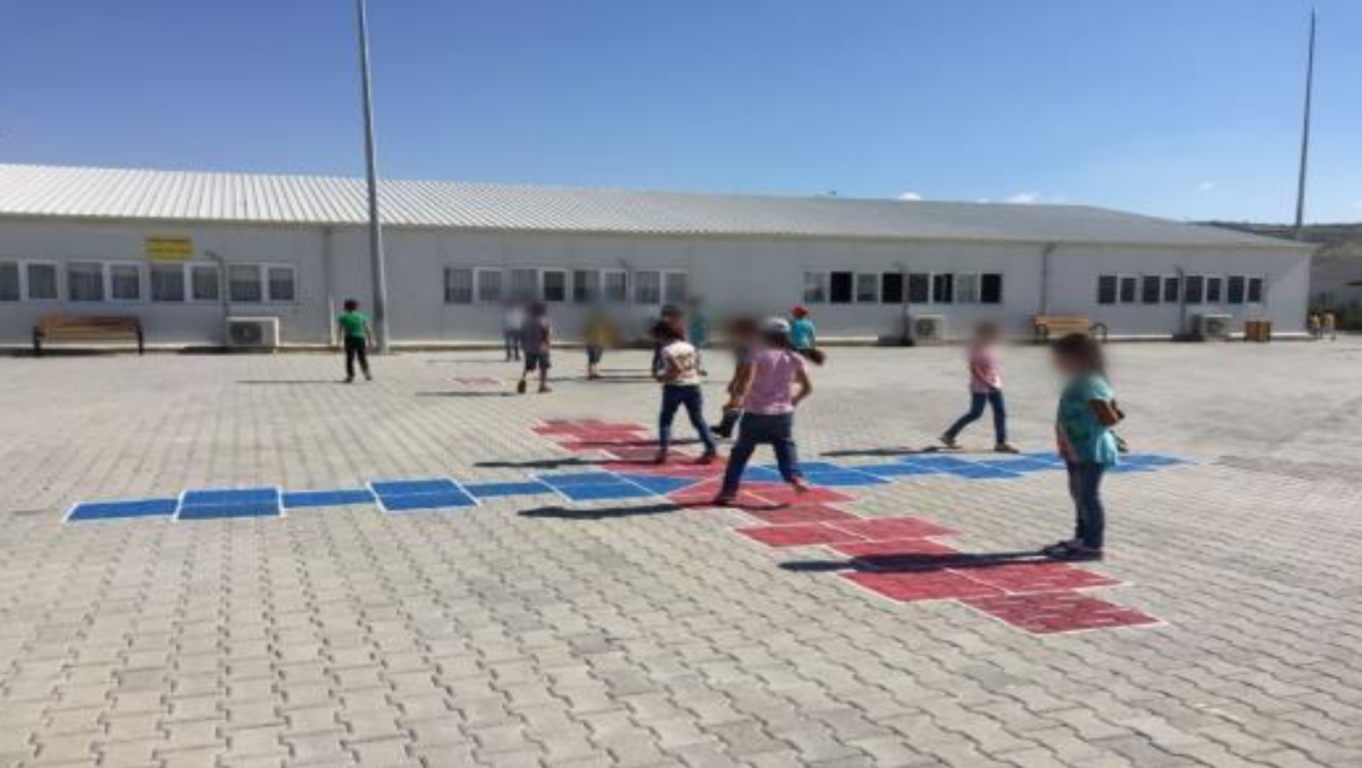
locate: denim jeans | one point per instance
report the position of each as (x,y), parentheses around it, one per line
(775,430)
(511,340)
(1085,485)
(675,397)
(356,350)
(978,400)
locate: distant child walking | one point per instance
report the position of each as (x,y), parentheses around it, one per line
(536,337)
(1083,428)
(357,335)
(680,378)
(986,389)
(511,320)
(768,397)
(803,334)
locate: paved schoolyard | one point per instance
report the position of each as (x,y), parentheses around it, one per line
(637,630)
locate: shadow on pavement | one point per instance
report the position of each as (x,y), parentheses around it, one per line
(917,563)
(602,513)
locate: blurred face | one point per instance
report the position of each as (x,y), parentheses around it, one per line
(1067,364)
(987,334)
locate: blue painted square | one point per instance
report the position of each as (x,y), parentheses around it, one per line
(897,470)
(239,496)
(112,510)
(761,475)
(494,490)
(407,487)
(661,485)
(1049,457)
(301,499)
(228,511)
(940,463)
(415,501)
(982,472)
(843,478)
(808,467)
(1125,469)
(1022,465)
(580,478)
(605,491)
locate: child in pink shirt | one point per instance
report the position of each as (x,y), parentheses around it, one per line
(986,389)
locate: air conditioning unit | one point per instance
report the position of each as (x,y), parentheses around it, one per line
(1213,327)
(926,329)
(253,333)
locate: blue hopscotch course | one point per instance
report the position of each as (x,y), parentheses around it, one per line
(442,493)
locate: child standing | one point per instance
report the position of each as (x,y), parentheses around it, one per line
(600,335)
(680,378)
(511,320)
(803,334)
(1330,326)
(767,396)
(536,337)
(1087,413)
(986,389)
(357,335)
(744,336)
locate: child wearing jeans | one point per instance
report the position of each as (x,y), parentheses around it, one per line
(986,389)
(680,378)
(1087,413)
(768,399)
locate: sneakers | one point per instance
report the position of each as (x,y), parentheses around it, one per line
(799,485)
(521,387)
(544,389)
(1005,448)
(949,442)
(724,500)
(1072,551)
(661,457)
(708,457)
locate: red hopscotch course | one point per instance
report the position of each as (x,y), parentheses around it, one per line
(1041,597)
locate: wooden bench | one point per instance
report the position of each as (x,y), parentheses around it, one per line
(1049,327)
(87,328)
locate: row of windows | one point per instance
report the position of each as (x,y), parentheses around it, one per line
(489,285)
(130,282)
(1190,289)
(898,287)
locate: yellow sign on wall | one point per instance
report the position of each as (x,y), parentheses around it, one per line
(169,248)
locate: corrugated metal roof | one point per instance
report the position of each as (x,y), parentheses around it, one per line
(57,191)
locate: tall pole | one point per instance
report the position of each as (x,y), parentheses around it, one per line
(377,257)
(1305,133)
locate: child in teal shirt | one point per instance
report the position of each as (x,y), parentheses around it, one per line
(1083,429)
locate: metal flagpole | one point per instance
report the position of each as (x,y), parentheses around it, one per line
(377,257)
(1305,134)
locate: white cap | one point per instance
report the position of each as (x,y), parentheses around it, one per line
(775,325)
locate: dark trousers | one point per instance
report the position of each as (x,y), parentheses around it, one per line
(978,400)
(1085,485)
(511,340)
(775,430)
(728,422)
(674,398)
(356,349)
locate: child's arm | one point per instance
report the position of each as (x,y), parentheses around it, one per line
(742,384)
(369,333)
(1106,411)
(805,385)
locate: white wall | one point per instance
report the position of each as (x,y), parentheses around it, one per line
(732,274)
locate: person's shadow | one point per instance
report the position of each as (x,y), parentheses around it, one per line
(600,513)
(917,563)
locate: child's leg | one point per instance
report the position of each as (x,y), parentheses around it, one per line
(782,442)
(999,405)
(695,409)
(1091,510)
(977,400)
(1076,493)
(671,401)
(737,460)
(349,359)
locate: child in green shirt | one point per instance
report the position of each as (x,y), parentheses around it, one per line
(357,335)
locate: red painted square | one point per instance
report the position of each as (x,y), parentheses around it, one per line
(912,586)
(1051,612)
(802,513)
(784,494)
(895,528)
(797,535)
(1038,576)
(890,547)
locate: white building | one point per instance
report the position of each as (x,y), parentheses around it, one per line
(181,250)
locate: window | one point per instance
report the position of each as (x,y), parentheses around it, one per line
(1215,287)
(1171,292)
(615,286)
(243,283)
(648,288)
(943,288)
(840,287)
(1255,290)
(1235,292)
(555,285)
(1106,289)
(85,281)
(167,282)
(967,289)
(867,288)
(586,286)
(40,281)
(891,288)
(991,288)
(1151,289)
(9,281)
(1128,288)
(524,285)
(204,282)
(125,282)
(282,282)
(919,288)
(489,285)
(458,285)
(676,287)
(815,287)
(1194,289)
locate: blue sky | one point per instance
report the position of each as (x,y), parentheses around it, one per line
(1183,108)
